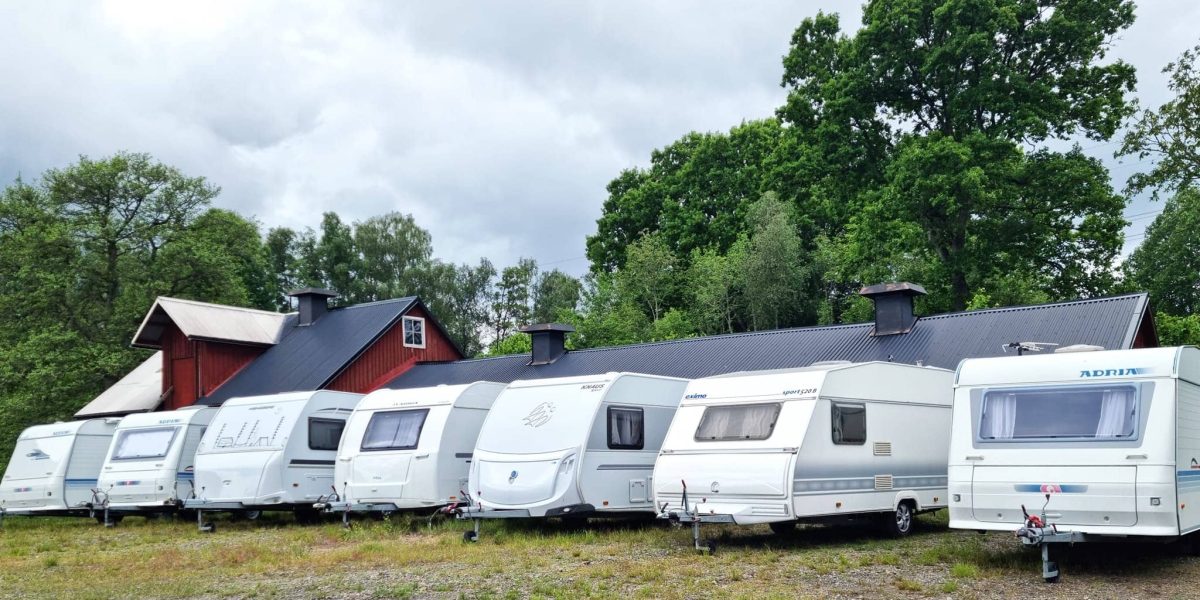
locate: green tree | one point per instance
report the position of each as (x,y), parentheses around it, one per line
(512,298)
(968,82)
(1170,134)
(715,281)
(650,275)
(460,298)
(553,293)
(775,269)
(1167,263)
(282,250)
(1176,330)
(392,249)
(335,259)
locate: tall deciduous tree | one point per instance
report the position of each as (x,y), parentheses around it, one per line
(512,297)
(775,268)
(650,274)
(554,293)
(1170,134)
(1167,263)
(392,249)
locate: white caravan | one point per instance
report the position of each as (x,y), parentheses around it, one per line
(571,446)
(1092,444)
(54,467)
(150,463)
(270,453)
(410,449)
(828,442)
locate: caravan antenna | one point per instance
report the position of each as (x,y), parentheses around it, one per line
(1023,347)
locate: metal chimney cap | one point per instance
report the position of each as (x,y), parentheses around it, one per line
(547,327)
(313,291)
(901,287)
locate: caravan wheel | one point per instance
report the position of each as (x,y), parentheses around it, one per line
(900,522)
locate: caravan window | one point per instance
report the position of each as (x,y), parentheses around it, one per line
(626,428)
(745,422)
(1101,412)
(324,434)
(394,430)
(849,423)
(134,444)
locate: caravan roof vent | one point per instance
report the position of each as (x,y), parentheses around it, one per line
(1079,348)
(830,363)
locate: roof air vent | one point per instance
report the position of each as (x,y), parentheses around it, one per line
(1078,348)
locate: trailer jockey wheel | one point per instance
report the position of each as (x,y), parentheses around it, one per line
(710,546)
(1049,567)
(470,536)
(782,527)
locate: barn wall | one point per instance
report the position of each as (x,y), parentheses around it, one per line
(388,357)
(179,369)
(219,362)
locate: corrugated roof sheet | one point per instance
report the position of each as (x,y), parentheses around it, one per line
(138,391)
(940,340)
(201,320)
(309,357)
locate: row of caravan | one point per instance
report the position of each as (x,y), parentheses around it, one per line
(1061,448)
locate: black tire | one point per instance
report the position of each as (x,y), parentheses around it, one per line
(252,515)
(209,527)
(900,522)
(711,547)
(470,536)
(1052,579)
(782,527)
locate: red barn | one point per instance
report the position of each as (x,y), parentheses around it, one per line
(211,353)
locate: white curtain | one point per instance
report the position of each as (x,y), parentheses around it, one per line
(626,428)
(1116,413)
(394,430)
(1001,417)
(738,422)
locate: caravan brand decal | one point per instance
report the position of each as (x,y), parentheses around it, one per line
(37,455)
(1051,488)
(695,396)
(540,415)
(594,387)
(1195,465)
(1113,372)
(800,392)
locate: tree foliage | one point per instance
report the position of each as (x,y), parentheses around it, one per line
(1170,135)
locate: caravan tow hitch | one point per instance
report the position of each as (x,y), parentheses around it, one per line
(1038,531)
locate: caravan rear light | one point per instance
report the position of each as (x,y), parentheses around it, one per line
(958,497)
(1155,501)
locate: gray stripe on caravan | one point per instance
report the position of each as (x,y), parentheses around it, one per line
(809,486)
(625,468)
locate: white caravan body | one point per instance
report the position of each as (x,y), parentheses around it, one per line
(411,448)
(827,441)
(1112,436)
(151,461)
(573,445)
(54,467)
(271,452)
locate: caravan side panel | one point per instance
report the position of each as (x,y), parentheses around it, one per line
(87,459)
(1187,455)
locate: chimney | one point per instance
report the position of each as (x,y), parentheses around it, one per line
(893,306)
(549,341)
(313,302)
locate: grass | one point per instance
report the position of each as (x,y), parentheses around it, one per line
(406,558)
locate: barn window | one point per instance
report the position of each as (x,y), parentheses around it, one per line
(414,332)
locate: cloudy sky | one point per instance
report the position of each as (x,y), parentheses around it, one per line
(497,125)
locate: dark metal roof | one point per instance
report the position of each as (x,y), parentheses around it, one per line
(308,358)
(940,340)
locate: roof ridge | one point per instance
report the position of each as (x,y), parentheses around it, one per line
(224,306)
(1035,306)
(721,336)
(405,299)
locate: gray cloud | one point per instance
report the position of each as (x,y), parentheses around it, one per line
(496,124)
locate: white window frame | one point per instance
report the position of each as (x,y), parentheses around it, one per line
(404,331)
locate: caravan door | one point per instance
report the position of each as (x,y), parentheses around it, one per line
(1046,437)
